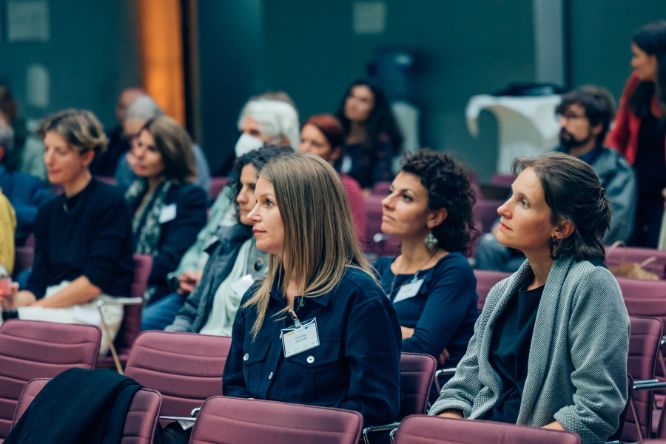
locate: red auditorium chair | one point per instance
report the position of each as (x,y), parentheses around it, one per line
(186,368)
(217,184)
(485,213)
(644,344)
(621,254)
(419,429)
(37,349)
(140,422)
(376,242)
(381,188)
(251,421)
(417,374)
(485,280)
(131,325)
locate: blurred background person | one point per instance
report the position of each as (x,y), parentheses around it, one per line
(639,131)
(372,136)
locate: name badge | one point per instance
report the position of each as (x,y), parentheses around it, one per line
(168,213)
(408,291)
(242,285)
(296,340)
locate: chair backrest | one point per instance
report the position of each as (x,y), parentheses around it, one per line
(140,422)
(485,280)
(131,325)
(502,179)
(644,343)
(217,184)
(186,368)
(376,242)
(253,421)
(619,255)
(485,213)
(381,188)
(36,349)
(417,373)
(420,429)
(644,298)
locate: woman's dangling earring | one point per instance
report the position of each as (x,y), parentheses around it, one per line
(430,241)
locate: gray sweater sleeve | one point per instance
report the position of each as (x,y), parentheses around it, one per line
(599,343)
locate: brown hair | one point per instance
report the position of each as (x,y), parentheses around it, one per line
(573,192)
(80,129)
(175,145)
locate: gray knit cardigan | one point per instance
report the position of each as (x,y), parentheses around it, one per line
(577,365)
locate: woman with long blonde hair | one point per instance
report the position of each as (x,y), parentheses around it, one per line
(319,329)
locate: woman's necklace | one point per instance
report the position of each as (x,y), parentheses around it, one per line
(416,274)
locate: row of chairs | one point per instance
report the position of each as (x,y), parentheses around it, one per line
(184,368)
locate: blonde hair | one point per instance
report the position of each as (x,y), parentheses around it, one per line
(80,129)
(319,235)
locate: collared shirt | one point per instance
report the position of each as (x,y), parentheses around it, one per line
(356,366)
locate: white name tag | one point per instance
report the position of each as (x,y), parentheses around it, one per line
(168,213)
(298,340)
(408,291)
(240,286)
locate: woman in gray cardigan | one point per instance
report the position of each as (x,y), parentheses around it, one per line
(550,347)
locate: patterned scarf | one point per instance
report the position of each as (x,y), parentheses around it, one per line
(146,226)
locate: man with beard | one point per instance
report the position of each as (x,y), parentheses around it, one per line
(585,115)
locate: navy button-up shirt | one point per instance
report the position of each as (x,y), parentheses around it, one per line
(356,366)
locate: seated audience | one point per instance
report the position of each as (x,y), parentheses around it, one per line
(27,146)
(372,136)
(550,346)
(269,118)
(7,229)
(82,237)
(323,136)
(319,310)
(431,284)
(168,211)
(25,192)
(234,264)
(585,116)
(119,145)
(139,111)
(639,131)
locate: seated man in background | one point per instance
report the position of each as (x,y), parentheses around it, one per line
(119,145)
(25,192)
(141,110)
(585,115)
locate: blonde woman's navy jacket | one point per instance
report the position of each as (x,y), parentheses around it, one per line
(355,367)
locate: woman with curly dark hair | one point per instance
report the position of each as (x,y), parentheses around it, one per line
(431,284)
(372,136)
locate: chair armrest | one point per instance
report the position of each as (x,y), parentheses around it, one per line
(378,428)
(105,300)
(445,372)
(648,384)
(177,418)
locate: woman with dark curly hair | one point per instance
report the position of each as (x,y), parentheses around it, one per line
(431,284)
(372,136)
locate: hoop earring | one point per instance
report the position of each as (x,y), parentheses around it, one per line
(430,241)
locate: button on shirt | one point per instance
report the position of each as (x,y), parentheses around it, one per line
(356,366)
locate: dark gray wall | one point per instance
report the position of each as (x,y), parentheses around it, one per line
(91,56)
(462,49)
(601,33)
(231,69)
